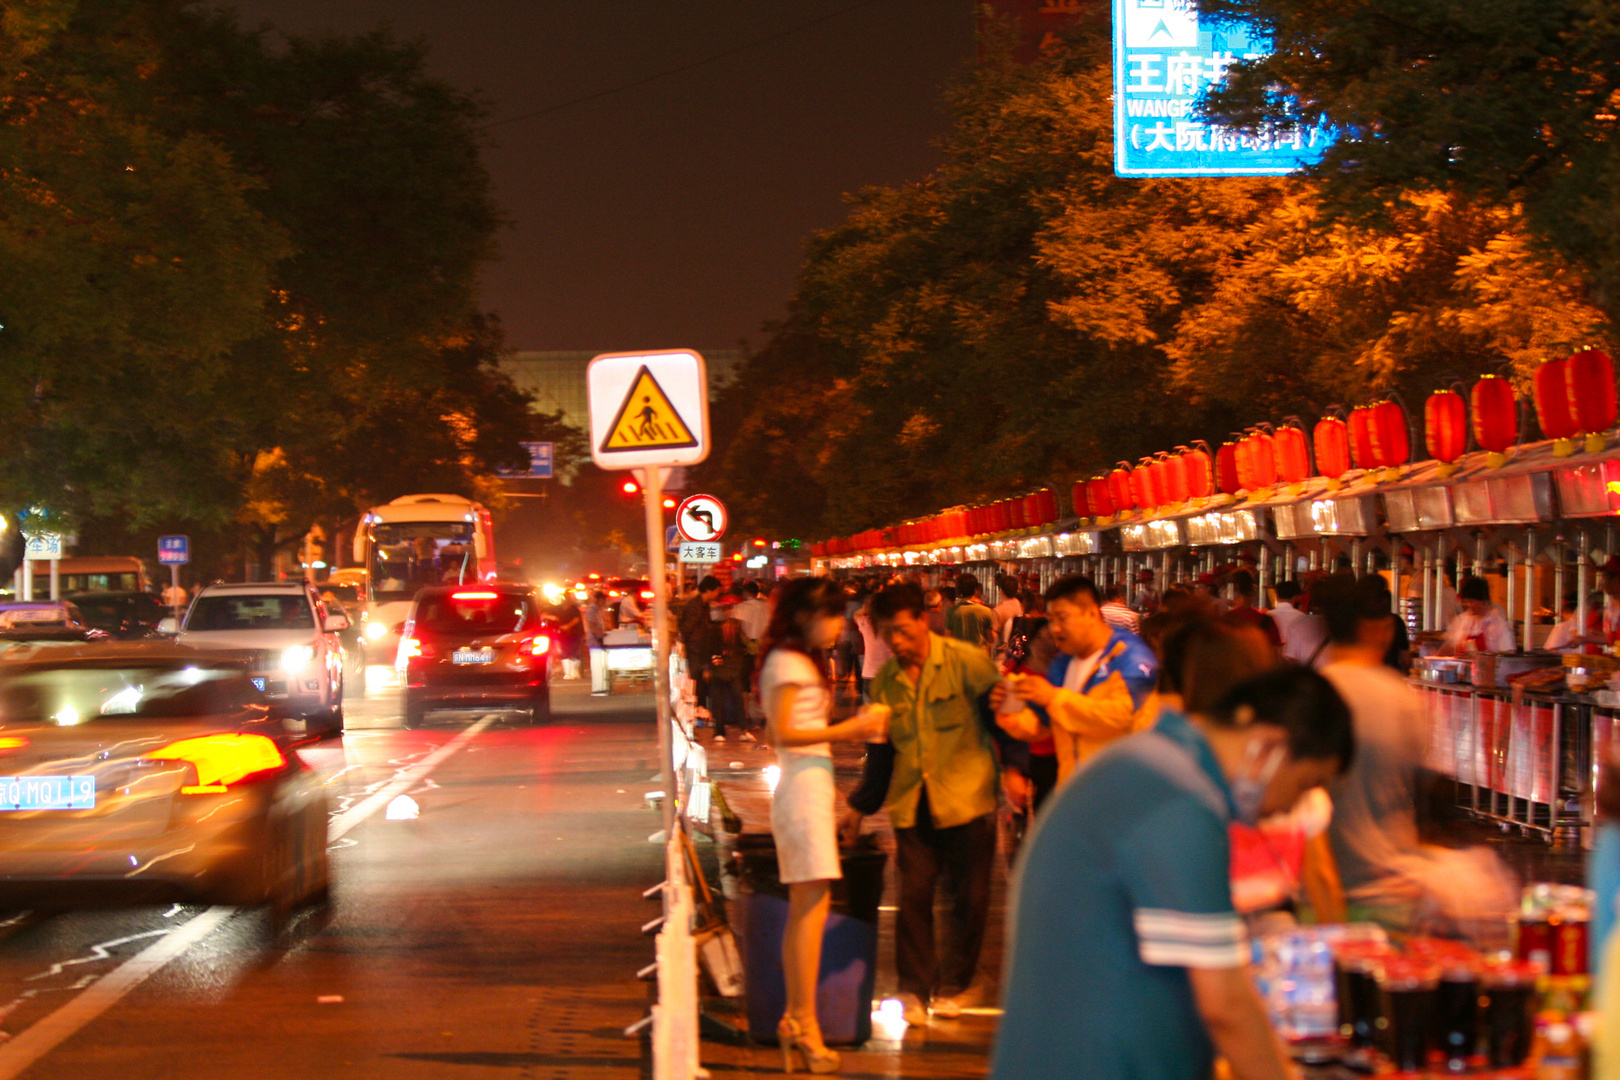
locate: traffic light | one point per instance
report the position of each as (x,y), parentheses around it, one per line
(669,504)
(630,487)
(759,543)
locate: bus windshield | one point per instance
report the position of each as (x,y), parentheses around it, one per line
(406,556)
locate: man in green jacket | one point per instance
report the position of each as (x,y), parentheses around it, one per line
(940,790)
(969,619)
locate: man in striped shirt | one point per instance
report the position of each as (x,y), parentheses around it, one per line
(1127,958)
(1116,612)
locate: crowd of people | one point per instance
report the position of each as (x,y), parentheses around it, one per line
(1184,764)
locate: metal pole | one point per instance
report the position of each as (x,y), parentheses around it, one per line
(1583,566)
(28,579)
(56,579)
(1431,606)
(652,489)
(1509,573)
(174,591)
(1395,574)
(1530,591)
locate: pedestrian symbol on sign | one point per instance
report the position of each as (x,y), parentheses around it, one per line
(646,420)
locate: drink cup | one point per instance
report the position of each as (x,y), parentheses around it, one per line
(1456,1013)
(1355,984)
(1510,1006)
(1012,702)
(1407,989)
(881,712)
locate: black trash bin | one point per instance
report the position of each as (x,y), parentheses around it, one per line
(848,951)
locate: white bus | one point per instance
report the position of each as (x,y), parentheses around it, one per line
(413,542)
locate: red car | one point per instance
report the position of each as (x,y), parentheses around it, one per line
(470,646)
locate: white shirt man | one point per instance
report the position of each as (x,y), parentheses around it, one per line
(755,615)
(1303,634)
(1005,612)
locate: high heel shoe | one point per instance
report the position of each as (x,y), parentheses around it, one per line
(817,1059)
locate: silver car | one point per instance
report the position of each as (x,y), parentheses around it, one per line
(135,773)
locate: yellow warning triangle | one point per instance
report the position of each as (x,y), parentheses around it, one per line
(646,420)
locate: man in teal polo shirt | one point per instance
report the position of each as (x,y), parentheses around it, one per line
(1127,958)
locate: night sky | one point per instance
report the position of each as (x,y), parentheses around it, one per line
(673,213)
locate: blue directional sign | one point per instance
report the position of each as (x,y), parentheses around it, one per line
(540,463)
(1165,57)
(174,550)
(672,538)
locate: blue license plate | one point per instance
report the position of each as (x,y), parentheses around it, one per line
(473,656)
(258,684)
(47,792)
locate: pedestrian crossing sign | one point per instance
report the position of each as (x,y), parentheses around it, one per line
(647,420)
(648,409)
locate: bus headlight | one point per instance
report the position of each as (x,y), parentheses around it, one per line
(297,659)
(375,631)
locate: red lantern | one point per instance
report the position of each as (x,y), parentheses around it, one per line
(1003,514)
(1119,486)
(1445,425)
(1262,458)
(1591,392)
(1078,496)
(1176,489)
(1243,458)
(1331,440)
(1015,514)
(1555,399)
(1361,448)
(1293,456)
(1046,509)
(1496,414)
(1226,469)
(1388,436)
(1140,495)
(1099,497)
(1161,482)
(1196,466)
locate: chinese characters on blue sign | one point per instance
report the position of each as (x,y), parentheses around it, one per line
(1165,57)
(174,550)
(539,463)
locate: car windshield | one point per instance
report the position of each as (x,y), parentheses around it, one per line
(75,695)
(249,611)
(407,556)
(110,614)
(476,611)
(342,594)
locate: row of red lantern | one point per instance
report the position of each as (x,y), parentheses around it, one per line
(1574,396)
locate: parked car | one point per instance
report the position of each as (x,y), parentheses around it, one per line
(143,772)
(41,614)
(484,645)
(288,639)
(123,615)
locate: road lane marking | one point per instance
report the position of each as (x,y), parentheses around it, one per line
(353,816)
(46,1035)
(23,1051)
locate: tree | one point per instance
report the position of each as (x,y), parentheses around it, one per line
(1023,316)
(1513,101)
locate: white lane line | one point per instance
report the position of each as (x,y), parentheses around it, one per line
(379,798)
(101,995)
(47,1034)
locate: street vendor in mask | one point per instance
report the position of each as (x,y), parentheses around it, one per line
(1481,627)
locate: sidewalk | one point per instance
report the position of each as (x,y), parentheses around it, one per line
(943,1049)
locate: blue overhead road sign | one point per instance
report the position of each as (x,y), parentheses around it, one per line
(1165,57)
(540,463)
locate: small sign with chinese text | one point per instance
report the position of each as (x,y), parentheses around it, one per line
(540,463)
(699,553)
(1165,57)
(43,545)
(174,550)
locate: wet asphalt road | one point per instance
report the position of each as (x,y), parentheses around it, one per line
(496,935)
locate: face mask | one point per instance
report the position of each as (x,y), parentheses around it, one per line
(1249,790)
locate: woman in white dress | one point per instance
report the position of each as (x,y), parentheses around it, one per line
(794,689)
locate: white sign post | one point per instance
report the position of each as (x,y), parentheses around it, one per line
(650,412)
(43,546)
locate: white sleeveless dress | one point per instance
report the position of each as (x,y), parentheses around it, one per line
(803,817)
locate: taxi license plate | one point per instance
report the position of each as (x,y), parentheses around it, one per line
(473,656)
(47,792)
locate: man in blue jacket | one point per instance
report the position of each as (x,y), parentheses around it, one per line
(1100,687)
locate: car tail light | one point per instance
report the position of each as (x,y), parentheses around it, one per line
(646,594)
(13,742)
(411,648)
(475,596)
(540,646)
(223,761)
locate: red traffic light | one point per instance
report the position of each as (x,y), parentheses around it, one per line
(669,504)
(630,487)
(759,543)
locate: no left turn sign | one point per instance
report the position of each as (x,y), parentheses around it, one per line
(701,518)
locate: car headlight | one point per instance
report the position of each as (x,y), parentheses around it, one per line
(376,630)
(297,658)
